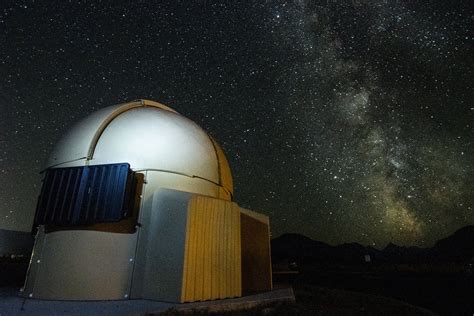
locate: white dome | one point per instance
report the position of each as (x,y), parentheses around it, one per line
(148,136)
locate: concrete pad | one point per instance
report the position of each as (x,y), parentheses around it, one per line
(12,304)
(234,304)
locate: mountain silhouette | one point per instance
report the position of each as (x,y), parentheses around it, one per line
(458,247)
(296,246)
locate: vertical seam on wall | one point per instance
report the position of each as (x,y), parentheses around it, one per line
(184,276)
(140,213)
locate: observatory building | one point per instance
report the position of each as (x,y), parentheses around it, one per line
(137,202)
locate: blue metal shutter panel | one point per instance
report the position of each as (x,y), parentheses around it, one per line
(85,195)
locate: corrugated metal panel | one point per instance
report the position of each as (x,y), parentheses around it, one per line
(212,264)
(85,195)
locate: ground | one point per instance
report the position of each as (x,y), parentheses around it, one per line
(316,292)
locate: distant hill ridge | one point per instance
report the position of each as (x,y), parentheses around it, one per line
(458,247)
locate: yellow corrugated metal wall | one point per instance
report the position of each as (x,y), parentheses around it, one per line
(212,260)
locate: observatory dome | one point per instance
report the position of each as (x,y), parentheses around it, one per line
(128,184)
(148,136)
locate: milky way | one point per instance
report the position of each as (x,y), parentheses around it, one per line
(342,120)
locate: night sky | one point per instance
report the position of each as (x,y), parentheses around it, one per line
(346,121)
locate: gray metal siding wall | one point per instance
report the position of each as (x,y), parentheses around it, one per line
(165,251)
